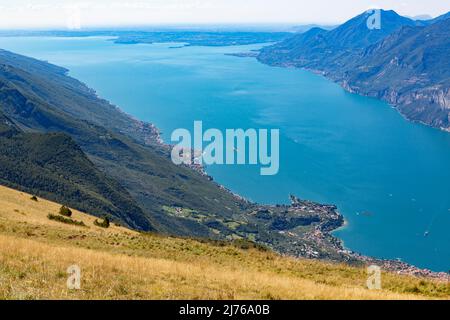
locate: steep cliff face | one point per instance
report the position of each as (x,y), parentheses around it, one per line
(407,65)
(428,105)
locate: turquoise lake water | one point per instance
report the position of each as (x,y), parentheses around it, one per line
(389,177)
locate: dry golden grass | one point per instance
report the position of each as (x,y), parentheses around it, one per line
(118,263)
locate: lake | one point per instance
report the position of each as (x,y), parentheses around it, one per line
(389,177)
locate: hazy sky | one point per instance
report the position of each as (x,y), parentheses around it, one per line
(93,13)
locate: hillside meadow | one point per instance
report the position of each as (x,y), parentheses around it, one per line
(118,263)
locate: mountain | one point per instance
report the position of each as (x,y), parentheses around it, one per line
(62,142)
(404,63)
(442,17)
(307,27)
(422,17)
(53,166)
(318,47)
(66,144)
(408,69)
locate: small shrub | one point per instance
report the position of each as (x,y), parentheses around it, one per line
(65,211)
(242,244)
(34,198)
(245,244)
(102,224)
(66,220)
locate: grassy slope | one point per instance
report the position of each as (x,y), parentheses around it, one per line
(118,263)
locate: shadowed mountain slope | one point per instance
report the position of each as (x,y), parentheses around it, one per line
(39,97)
(318,46)
(53,166)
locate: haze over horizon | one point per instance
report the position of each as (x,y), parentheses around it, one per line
(70,14)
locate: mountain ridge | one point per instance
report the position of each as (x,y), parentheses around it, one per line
(174,200)
(417,86)
(53,166)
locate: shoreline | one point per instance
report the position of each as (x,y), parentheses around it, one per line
(150,136)
(391,265)
(344,85)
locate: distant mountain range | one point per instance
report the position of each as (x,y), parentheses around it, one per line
(405,62)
